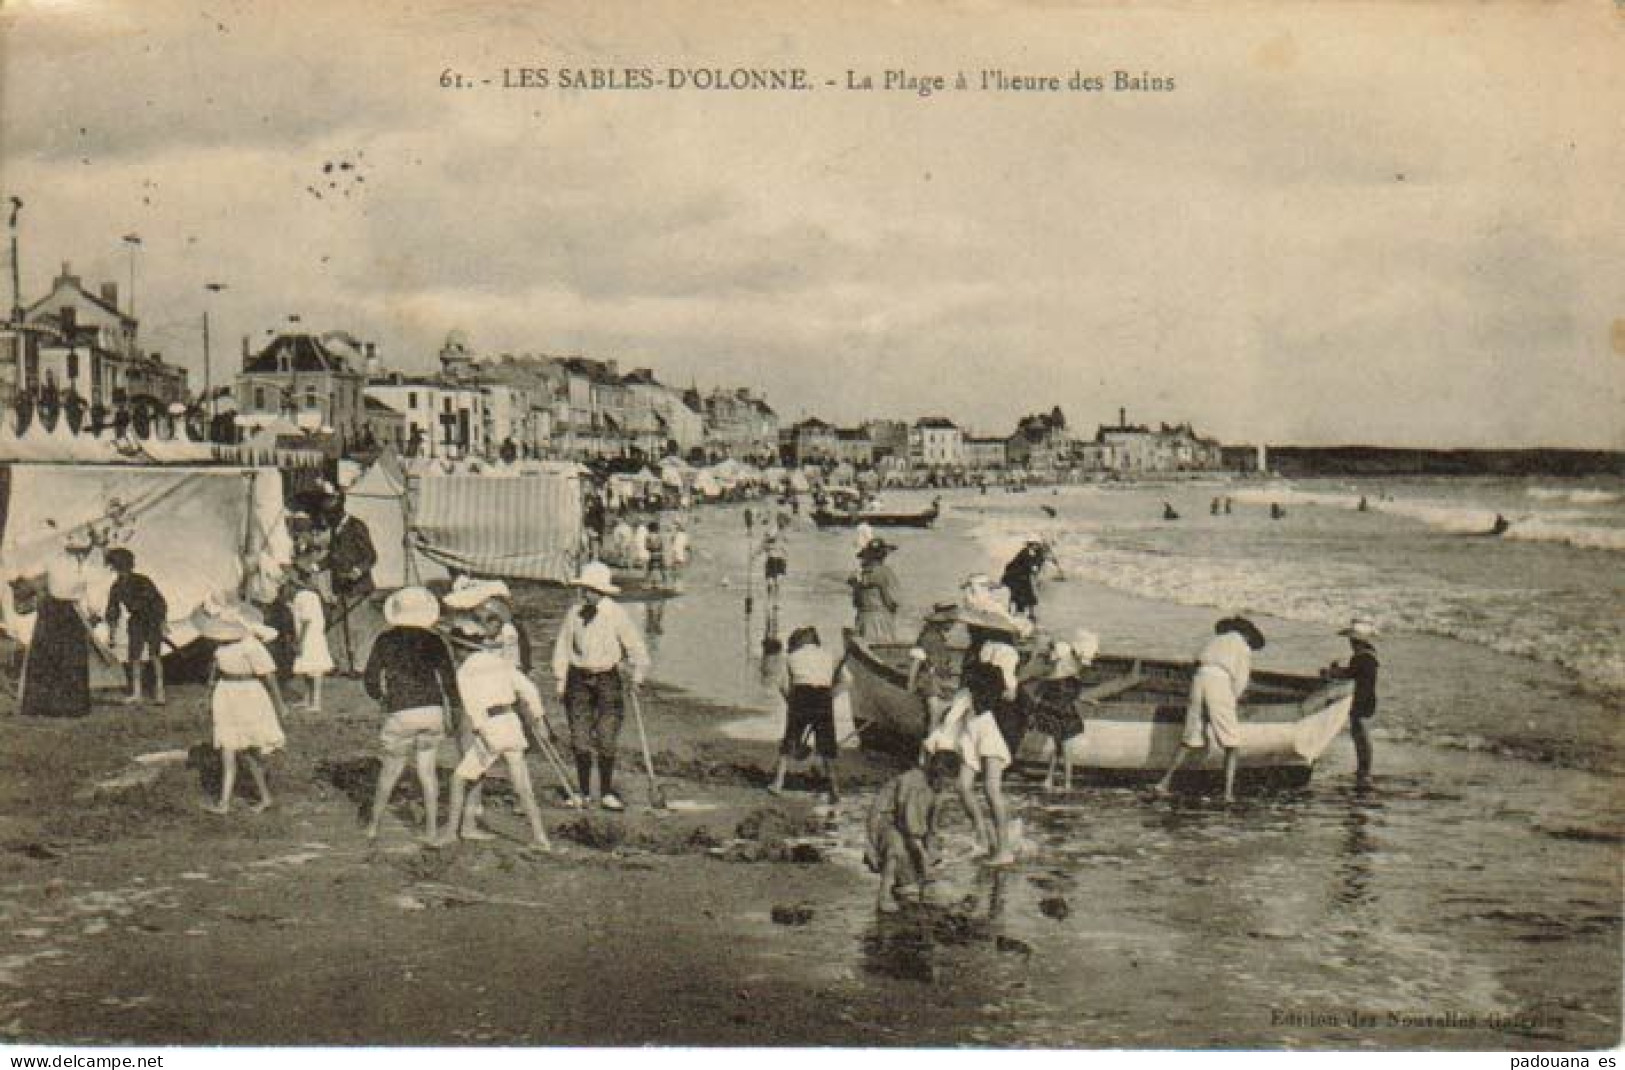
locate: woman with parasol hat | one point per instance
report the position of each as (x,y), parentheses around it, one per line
(875,593)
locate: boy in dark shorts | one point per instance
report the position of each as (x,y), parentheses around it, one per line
(777,556)
(807,683)
(137,596)
(1363,669)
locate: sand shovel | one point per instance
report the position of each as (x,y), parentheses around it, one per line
(551,754)
(657,795)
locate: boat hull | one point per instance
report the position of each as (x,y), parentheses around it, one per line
(1287,722)
(826,519)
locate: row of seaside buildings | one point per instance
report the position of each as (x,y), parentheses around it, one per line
(80,349)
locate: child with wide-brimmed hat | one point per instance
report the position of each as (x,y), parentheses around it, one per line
(1052,698)
(246,705)
(411,674)
(494,693)
(1362,668)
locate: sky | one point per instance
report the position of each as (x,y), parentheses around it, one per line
(1378,223)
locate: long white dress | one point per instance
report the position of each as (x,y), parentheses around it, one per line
(310,624)
(241,707)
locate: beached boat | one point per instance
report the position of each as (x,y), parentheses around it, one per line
(1133,724)
(826,518)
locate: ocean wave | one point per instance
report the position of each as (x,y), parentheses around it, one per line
(1467,518)
(1509,620)
(1580,536)
(1576,496)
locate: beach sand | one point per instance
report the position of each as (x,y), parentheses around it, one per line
(1470,902)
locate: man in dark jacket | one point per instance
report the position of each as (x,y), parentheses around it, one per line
(350,558)
(1362,669)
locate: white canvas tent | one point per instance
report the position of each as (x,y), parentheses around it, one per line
(519,522)
(194,530)
(380,500)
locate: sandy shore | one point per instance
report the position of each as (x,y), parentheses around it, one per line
(172,925)
(1470,902)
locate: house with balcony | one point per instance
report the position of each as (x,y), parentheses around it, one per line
(811,441)
(740,425)
(79,344)
(936,442)
(1041,442)
(985,454)
(314,382)
(1169,448)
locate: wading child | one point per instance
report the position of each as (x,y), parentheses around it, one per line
(903,827)
(777,564)
(1362,669)
(970,729)
(1052,700)
(410,673)
(493,692)
(138,597)
(807,682)
(655,543)
(246,705)
(679,546)
(312,660)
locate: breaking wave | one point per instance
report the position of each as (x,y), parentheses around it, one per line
(1456,518)
(1509,619)
(1575,496)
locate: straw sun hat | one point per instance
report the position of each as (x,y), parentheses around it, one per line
(412,607)
(225,620)
(466,594)
(1361,627)
(596,576)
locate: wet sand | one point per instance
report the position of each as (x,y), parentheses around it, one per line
(1468,902)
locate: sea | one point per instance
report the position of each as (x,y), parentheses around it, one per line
(1470,899)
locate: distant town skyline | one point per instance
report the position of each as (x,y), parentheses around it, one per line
(1395,225)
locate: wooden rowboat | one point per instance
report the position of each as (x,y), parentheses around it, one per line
(1132,728)
(825,518)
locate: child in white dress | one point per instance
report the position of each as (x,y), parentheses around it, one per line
(313,660)
(246,706)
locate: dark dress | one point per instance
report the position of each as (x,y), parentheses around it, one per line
(1051,703)
(57,681)
(1020,579)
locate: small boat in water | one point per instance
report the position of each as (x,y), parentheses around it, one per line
(637,587)
(1133,716)
(827,518)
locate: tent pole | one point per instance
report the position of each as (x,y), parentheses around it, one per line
(249,523)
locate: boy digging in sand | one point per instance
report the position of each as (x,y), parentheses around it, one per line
(492,690)
(410,673)
(903,826)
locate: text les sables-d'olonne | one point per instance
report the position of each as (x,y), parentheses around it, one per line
(798,79)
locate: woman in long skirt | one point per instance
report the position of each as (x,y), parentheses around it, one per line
(56,680)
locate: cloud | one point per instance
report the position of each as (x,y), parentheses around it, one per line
(1336,222)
